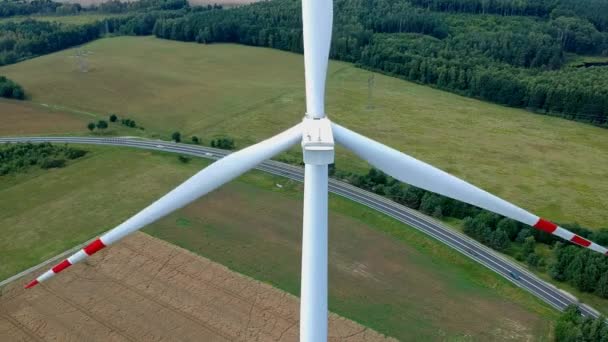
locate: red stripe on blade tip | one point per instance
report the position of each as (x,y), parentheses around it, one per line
(580,241)
(62,266)
(545,225)
(94,247)
(32,283)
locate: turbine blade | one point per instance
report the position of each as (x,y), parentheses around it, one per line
(317,17)
(420,174)
(203,182)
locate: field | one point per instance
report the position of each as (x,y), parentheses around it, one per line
(146,289)
(383,274)
(23,118)
(556,168)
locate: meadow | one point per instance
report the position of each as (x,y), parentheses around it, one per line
(383,274)
(553,167)
(26,118)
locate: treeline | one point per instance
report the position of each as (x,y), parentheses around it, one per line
(9,8)
(30,38)
(572,327)
(538,8)
(10,89)
(516,61)
(491,229)
(116,6)
(582,268)
(574,93)
(15,158)
(592,10)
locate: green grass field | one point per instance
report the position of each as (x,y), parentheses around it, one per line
(554,167)
(382,273)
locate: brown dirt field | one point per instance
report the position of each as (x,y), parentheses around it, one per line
(145,289)
(19,118)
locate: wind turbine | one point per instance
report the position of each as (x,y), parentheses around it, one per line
(316,134)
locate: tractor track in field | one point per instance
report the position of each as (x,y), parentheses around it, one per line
(209,283)
(125,294)
(90,314)
(21,327)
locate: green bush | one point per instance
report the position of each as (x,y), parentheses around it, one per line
(10,89)
(75,153)
(16,158)
(52,163)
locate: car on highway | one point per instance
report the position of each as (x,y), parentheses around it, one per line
(514,275)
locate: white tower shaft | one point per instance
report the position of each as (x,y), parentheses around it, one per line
(313,303)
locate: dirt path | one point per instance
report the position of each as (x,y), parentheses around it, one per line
(144,289)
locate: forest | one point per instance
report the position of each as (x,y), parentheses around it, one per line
(516,56)
(572,327)
(512,52)
(13,8)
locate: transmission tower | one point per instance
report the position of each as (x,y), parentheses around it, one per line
(371,80)
(81,59)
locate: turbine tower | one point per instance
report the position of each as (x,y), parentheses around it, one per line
(316,134)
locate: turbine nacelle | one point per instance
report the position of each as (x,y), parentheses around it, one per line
(317,141)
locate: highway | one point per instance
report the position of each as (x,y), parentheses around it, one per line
(484,255)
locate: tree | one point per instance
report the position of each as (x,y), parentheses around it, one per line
(176,136)
(510,227)
(412,197)
(602,286)
(195,140)
(91,126)
(500,240)
(113,118)
(529,245)
(438,212)
(331,169)
(568,328)
(102,124)
(52,163)
(523,235)
(590,276)
(533,259)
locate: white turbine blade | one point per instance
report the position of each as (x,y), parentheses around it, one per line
(317,17)
(198,185)
(313,303)
(417,173)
